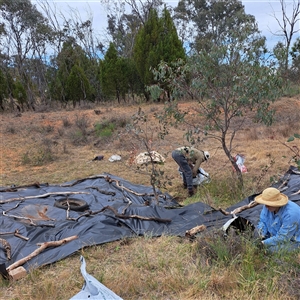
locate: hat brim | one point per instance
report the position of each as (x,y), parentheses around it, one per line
(278,203)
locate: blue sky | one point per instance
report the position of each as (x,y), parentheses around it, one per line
(263,11)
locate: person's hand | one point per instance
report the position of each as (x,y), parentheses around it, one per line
(259,243)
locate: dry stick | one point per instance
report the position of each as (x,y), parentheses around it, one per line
(7,248)
(110,180)
(239,209)
(27,219)
(125,188)
(101,191)
(15,188)
(296,193)
(295,172)
(41,196)
(15,233)
(284,183)
(42,247)
(193,231)
(81,180)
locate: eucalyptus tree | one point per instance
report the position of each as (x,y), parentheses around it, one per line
(3,89)
(79,26)
(26,34)
(288,26)
(204,23)
(231,80)
(295,53)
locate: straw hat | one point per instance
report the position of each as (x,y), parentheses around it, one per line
(272,197)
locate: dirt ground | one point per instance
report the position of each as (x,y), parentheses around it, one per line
(23,135)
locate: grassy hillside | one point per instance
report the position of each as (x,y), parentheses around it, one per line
(59,146)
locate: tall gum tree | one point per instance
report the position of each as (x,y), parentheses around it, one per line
(26,33)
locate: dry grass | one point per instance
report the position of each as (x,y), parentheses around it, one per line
(59,146)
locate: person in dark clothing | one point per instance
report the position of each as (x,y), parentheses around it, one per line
(189,160)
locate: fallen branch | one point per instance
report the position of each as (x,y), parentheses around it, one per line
(296,193)
(109,180)
(284,183)
(16,233)
(42,247)
(30,220)
(295,172)
(101,191)
(40,196)
(193,231)
(239,209)
(15,188)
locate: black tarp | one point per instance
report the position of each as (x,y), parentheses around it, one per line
(34,215)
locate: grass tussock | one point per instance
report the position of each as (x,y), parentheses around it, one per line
(168,268)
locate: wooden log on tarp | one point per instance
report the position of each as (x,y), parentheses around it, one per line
(42,247)
(193,231)
(41,196)
(239,209)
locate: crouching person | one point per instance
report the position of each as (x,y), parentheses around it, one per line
(279,224)
(189,159)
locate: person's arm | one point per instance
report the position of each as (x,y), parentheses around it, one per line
(262,226)
(198,158)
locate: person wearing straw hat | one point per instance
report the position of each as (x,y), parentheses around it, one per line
(279,224)
(189,160)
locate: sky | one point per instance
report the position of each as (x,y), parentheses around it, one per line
(264,12)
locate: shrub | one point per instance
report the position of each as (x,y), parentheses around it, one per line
(11,129)
(104,129)
(66,122)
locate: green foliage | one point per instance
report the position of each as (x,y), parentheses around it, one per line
(39,155)
(70,79)
(295,149)
(105,129)
(156,41)
(113,74)
(78,137)
(206,23)
(3,89)
(77,85)
(295,69)
(280,52)
(19,93)
(27,32)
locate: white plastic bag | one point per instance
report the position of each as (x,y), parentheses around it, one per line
(114,157)
(92,288)
(240,159)
(202,177)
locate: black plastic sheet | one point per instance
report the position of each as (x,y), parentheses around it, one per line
(34,215)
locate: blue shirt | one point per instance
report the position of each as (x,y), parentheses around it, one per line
(280,227)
